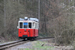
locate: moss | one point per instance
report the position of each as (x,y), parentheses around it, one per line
(38,46)
(25,49)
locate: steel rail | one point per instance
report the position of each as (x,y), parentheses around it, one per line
(10,44)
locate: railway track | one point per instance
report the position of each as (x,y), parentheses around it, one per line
(11,44)
(15,43)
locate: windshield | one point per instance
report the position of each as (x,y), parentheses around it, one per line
(25,25)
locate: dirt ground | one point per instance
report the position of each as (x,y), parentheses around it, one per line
(43,44)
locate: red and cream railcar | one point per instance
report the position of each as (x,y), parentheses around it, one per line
(28,28)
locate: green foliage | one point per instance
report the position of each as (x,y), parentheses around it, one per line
(25,49)
(39,47)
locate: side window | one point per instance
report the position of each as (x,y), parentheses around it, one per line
(36,25)
(30,25)
(33,25)
(21,24)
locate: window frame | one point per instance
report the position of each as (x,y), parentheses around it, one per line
(19,24)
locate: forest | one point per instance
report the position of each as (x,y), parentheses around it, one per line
(56,18)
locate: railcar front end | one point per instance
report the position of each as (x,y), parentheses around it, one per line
(27,29)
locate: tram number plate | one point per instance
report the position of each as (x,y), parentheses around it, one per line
(25,32)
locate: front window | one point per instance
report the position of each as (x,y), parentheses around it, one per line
(30,25)
(21,24)
(25,25)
